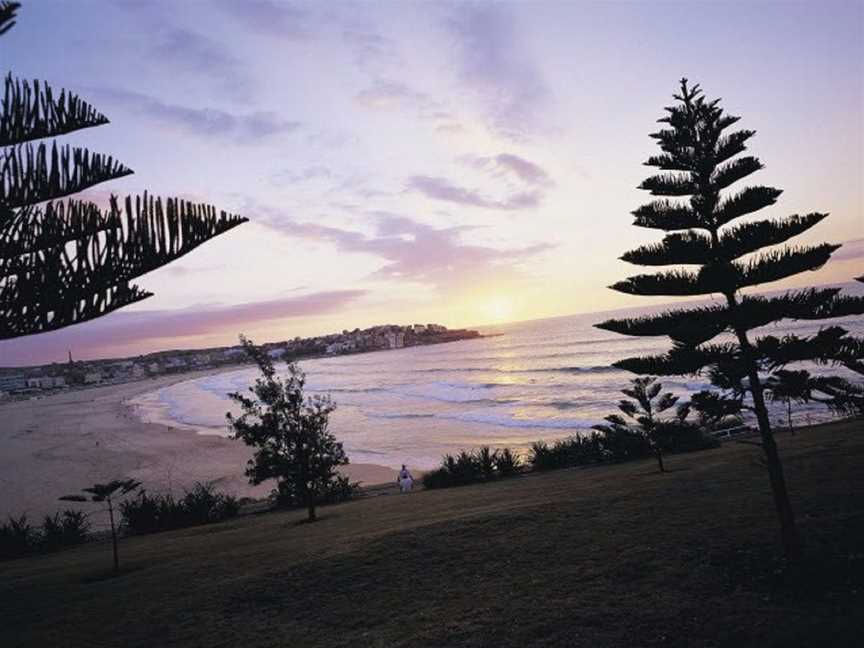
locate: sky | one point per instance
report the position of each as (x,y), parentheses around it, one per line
(460,163)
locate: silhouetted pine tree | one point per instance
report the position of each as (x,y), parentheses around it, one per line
(699,160)
(67,261)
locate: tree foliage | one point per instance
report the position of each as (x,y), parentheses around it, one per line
(67,261)
(290,433)
(725,255)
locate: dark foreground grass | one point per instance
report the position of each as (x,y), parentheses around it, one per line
(605,556)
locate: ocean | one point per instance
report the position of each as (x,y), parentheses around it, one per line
(543,379)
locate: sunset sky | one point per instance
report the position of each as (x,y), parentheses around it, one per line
(457,163)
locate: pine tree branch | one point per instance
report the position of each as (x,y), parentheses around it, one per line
(80,307)
(776,265)
(675,249)
(669,184)
(30,175)
(31,229)
(831,345)
(31,111)
(7,15)
(731,145)
(43,290)
(745,238)
(697,325)
(731,172)
(666,215)
(680,360)
(747,201)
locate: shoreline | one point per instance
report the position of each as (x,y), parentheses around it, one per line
(60,443)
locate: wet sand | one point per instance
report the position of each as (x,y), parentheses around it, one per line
(58,444)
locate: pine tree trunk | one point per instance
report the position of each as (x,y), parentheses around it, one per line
(788,530)
(113,537)
(660,460)
(775,471)
(310,507)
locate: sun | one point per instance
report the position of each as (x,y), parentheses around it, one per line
(499,309)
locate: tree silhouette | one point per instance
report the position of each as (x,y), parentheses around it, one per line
(290,433)
(645,410)
(699,160)
(107,493)
(67,261)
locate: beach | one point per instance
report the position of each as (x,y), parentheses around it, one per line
(58,444)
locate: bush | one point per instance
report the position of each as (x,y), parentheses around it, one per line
(507,463)
(566,453)
(677,436)
(64,530)
(153,513)
(484,464)
(17,538)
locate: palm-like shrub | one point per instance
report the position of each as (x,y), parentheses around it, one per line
(64,530)
(698,160)
(715,411)
(111,493)
(68,261)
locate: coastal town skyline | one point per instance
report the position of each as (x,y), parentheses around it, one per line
(425,164)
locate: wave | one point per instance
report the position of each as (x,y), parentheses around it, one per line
(503,420)
(566,369)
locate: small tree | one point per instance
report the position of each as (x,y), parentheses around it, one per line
(108,493)
(290,433)
(645,410)
(725,257)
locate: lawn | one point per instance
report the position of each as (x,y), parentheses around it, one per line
(604,556)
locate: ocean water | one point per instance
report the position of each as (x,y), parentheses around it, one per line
(544,379)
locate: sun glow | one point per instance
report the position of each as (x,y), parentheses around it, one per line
(499,309)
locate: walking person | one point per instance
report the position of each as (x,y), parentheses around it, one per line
(405,480)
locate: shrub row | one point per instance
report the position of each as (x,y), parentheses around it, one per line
(594,448)
(148,513)
(19,538)
(483,464)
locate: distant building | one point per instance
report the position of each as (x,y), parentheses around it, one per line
(138,371)
(276,353)
(92,377)
(12,384)
(436,328)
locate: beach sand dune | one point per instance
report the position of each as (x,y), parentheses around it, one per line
(58,444)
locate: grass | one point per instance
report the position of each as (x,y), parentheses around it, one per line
(603,556)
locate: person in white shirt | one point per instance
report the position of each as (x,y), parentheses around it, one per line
(405,480)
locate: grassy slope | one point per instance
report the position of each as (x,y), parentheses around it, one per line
(616,555)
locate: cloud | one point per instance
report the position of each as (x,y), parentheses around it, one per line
(282,19)
(509,164)
(188,51)
(132,328)
(384,93)
(369,47)
(492,65)
(851,251)
(249,127)
(444,190)
(414,251)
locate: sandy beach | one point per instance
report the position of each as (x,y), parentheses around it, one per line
(61,443)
